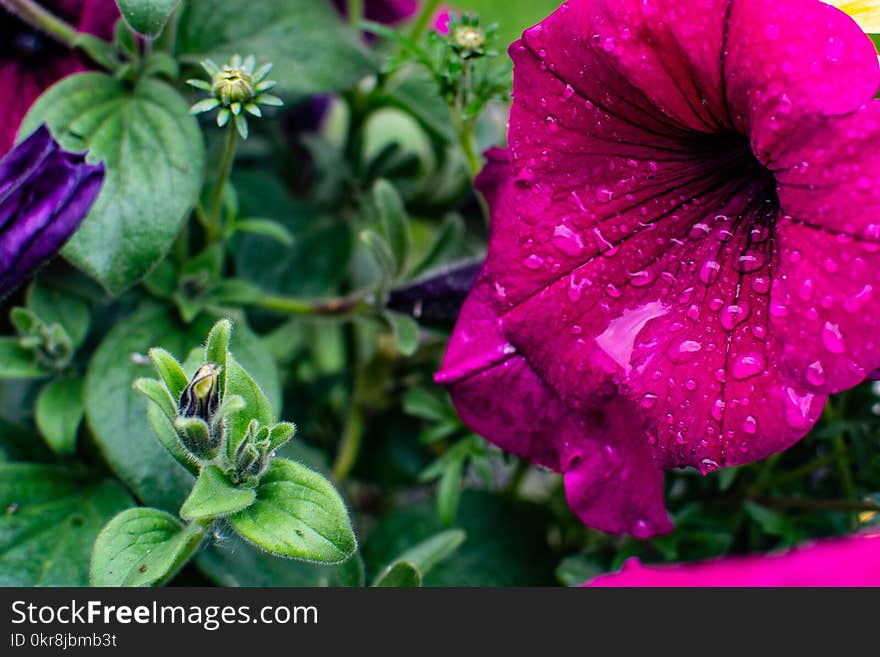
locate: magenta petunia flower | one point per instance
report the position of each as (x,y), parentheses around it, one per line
(45,193)
(852,561)
(384,11)
(685,244)
(30,61)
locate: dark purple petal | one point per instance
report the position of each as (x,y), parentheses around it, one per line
(30,61)
(383,11)
(685,231)
(45,193)
(437,297)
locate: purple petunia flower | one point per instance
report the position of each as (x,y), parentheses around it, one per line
(45,192)
(685,244)
(30,61)
(383,11)
(851,561)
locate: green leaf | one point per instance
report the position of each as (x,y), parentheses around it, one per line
(147,17)
(117,413)
(166,433)
(231,561)
(267,228)
(422,558)
(59,413)
(406,332)
(432,551)
(217,348)
(772,522)
(394,222)
(239,382)
(55,306)
(298,514)
(319,259)
(154,155)
(19,363)
(399,575)
(311,48)
(142,547)
(280,433)
(161,64)
(170,371)
(213,496)
(49,518)
(446,246)
(577,569)
(449,491)
(157,393)
(506,542)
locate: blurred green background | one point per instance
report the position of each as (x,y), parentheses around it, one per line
(512,16)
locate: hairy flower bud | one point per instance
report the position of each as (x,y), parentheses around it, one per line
(469,38)
(201,398)
(200,427)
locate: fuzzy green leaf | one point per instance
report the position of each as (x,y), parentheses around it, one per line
(213,496)
(154,155)
(298,514)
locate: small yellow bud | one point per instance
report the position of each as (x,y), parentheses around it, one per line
(469,38)
(233,85)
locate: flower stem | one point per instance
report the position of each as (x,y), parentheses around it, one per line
(355,14)
(338,306)
(48,23)
(350,445)
(797,503)
(353,435)
(195,532)
(469,148)
(429,8)
(214,218)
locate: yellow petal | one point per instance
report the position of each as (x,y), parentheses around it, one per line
(864,12)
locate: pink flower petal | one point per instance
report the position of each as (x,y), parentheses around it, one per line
(683,233)
(853,561)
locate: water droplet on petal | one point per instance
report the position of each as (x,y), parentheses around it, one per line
(567,241)
(710,271)
(732,316)
(533,262)
(855,302)
(750,425)
(816,373)
(649,400)
(748,365)
(832,338)
(798,409)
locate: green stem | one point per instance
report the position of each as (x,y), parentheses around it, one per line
(355,14)
(214,217)
(35,16)
(194,533)
(516,479)
(794,475)
(350,445)
(469,148)
(339,306)
(353,434)
(429,8)
(844,466)
(815,505)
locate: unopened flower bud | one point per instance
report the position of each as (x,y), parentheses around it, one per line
(469,38)
(201,398)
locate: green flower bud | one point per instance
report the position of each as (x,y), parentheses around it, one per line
(236,89)
(198,437)
(201,398)
(469,38)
